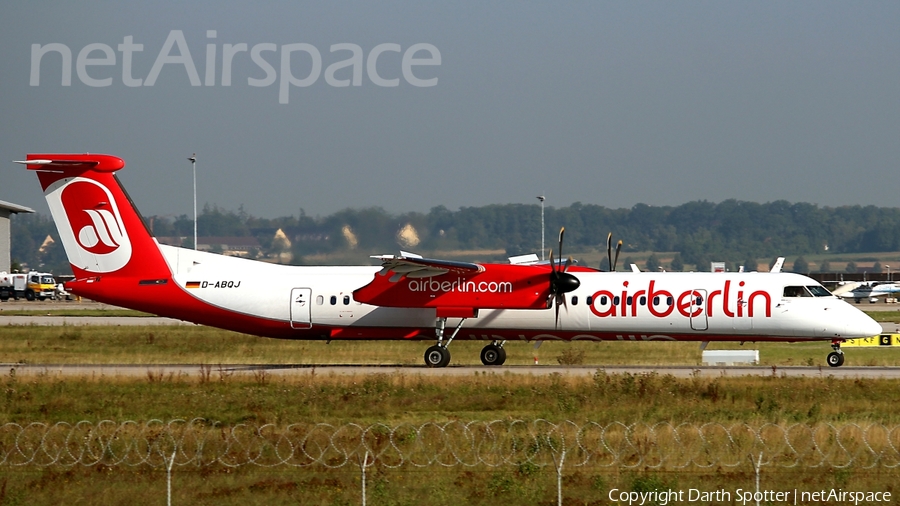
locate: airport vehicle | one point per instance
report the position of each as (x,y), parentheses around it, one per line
(41,285)
(871,290)
(31,286)
(12,286)
(116,260)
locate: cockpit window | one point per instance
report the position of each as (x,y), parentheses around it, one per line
(796,291)
(818,291)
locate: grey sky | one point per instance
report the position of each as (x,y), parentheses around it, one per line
(599,102)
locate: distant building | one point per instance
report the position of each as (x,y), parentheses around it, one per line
(6,210)
(231,246)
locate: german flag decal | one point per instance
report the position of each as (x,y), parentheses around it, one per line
(192,284)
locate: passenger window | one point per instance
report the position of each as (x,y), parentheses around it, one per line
(628,300)
(670,301)
(603,300)
(589,300)
(699,301)
(616,300)
(320,300)
(346,300)
(656,300)
(643,300)
(333,300)
(574,300)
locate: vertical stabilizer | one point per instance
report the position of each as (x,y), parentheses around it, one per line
(100,229)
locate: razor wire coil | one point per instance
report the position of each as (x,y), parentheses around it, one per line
(659,446)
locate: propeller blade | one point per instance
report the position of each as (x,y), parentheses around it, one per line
(609,251)
(561,282)
(562,232)
(618,249)
(556,320)
(560,301)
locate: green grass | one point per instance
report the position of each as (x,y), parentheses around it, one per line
(309,396)
(74,312)
(475,486)
(400,398)
(884,316)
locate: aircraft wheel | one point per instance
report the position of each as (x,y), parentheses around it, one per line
(437,356)
(835,359)
(29,295)
(493,355)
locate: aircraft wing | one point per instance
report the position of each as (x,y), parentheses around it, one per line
(846,289)
(414,266)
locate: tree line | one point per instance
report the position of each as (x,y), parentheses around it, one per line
(732,231)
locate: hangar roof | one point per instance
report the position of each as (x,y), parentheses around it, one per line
(13,208)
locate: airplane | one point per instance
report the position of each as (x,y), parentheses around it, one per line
(870,290)
(116,260)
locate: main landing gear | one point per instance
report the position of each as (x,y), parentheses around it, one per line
(439,354)
(836,357)
(493,354)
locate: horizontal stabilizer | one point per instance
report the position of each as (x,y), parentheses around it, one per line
(99,163)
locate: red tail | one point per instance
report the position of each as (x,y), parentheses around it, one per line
(102,232)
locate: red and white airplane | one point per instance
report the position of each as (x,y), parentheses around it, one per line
(116,260)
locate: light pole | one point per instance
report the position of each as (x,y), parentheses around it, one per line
(193,159)
(541,198)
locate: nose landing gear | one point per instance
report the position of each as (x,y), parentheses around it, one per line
(836,357)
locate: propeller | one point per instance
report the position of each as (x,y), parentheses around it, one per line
(609,255)
(561,282)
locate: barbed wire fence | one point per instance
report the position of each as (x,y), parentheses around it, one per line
(559,446)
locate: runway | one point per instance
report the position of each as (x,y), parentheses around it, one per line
(160,371)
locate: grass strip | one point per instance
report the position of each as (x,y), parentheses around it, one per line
(75,312)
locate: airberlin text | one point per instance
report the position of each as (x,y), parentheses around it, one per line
(344,64)
(459,285)
(729,301)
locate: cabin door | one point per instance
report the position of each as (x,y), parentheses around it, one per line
(301,304)
(698,308)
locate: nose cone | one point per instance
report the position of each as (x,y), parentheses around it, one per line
(860,325)
(871,326)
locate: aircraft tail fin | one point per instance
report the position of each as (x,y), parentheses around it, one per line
(776,267)
(101,230)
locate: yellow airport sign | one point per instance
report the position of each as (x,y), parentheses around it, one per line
(879,340)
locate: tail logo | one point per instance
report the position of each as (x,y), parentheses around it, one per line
(103,234)
(91,227)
